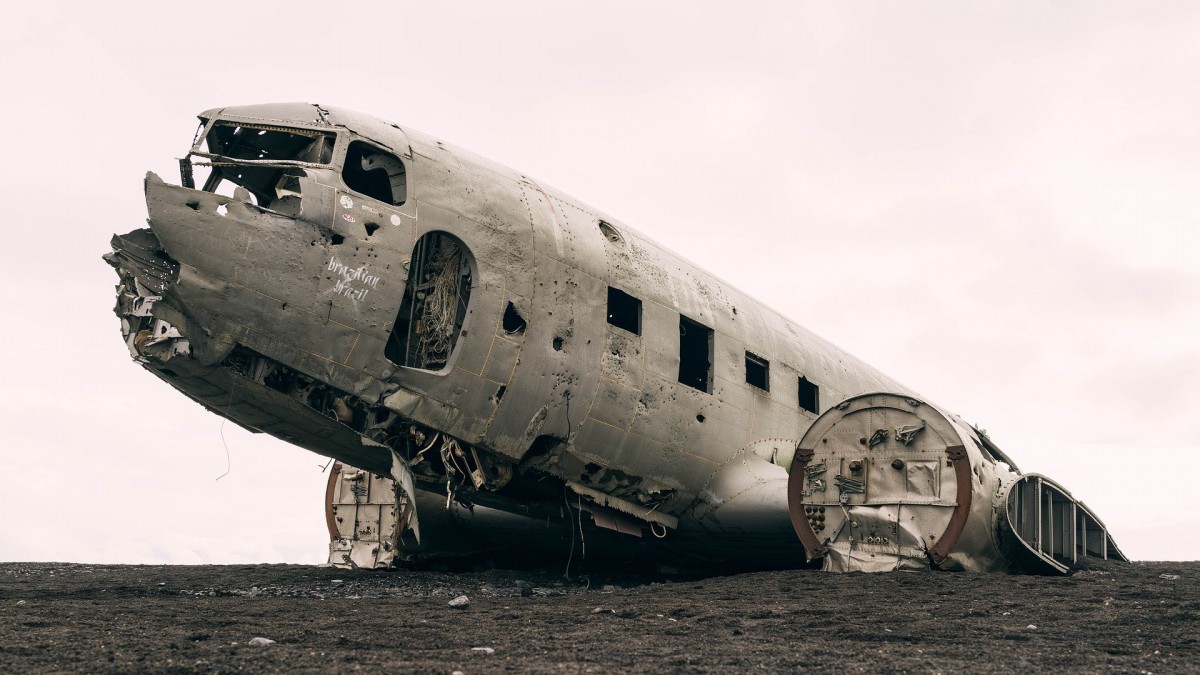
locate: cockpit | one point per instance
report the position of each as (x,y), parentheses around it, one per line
(270,155)
(260,163)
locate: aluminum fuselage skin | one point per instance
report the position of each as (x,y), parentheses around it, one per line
(319,290)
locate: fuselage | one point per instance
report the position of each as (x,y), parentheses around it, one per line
(363,290)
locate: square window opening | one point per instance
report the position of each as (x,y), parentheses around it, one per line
(695,354)
(624,311)
(758,372)
(809,395)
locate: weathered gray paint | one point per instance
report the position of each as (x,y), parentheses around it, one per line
(714,463)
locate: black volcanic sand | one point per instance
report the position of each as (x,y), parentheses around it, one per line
(1135,617)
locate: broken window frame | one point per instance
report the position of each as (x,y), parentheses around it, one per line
(691,332)
(809,395)
(626,312)
(512,323)
(758,371)
(391,186)
(262,175)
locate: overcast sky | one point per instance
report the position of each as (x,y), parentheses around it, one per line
(994,203)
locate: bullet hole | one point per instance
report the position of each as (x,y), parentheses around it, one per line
(221,210)
(194,205)
(558,344)
(897,464)
(284,306)
(336,239)
(513,322)
(700,419)
(500,393)
(371,228)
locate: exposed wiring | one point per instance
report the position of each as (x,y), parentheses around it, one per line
(432,440)
(435,330)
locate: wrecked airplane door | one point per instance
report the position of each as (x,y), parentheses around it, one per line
(507,370)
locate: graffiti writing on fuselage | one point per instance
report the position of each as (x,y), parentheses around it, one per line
(354,282)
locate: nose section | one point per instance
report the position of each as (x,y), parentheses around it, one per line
(146,273)
(220,298)
(240,267)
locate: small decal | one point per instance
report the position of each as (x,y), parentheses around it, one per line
(347,203)
(395,219)
(347,217)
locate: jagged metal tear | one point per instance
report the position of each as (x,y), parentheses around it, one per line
(403,477)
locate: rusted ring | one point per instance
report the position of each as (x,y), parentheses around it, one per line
(812,546)
(957,455)
(334,474)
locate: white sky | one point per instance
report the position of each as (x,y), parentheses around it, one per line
(994,203)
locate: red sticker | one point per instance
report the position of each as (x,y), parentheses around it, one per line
(347,217)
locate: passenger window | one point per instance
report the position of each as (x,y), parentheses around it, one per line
(624,311)
(809,395)
(375,173)
(695,354)
(758,372)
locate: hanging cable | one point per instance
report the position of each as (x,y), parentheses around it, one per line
(579,519)
(571,555)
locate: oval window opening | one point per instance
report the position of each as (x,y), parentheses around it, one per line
(610,233)
(435,303)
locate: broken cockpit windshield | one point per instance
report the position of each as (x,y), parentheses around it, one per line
(263,159)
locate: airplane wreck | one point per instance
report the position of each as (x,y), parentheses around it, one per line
(500,370)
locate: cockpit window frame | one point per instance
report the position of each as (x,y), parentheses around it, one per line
(337,158)
(204,145)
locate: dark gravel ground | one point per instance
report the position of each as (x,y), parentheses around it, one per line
(1139,617)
